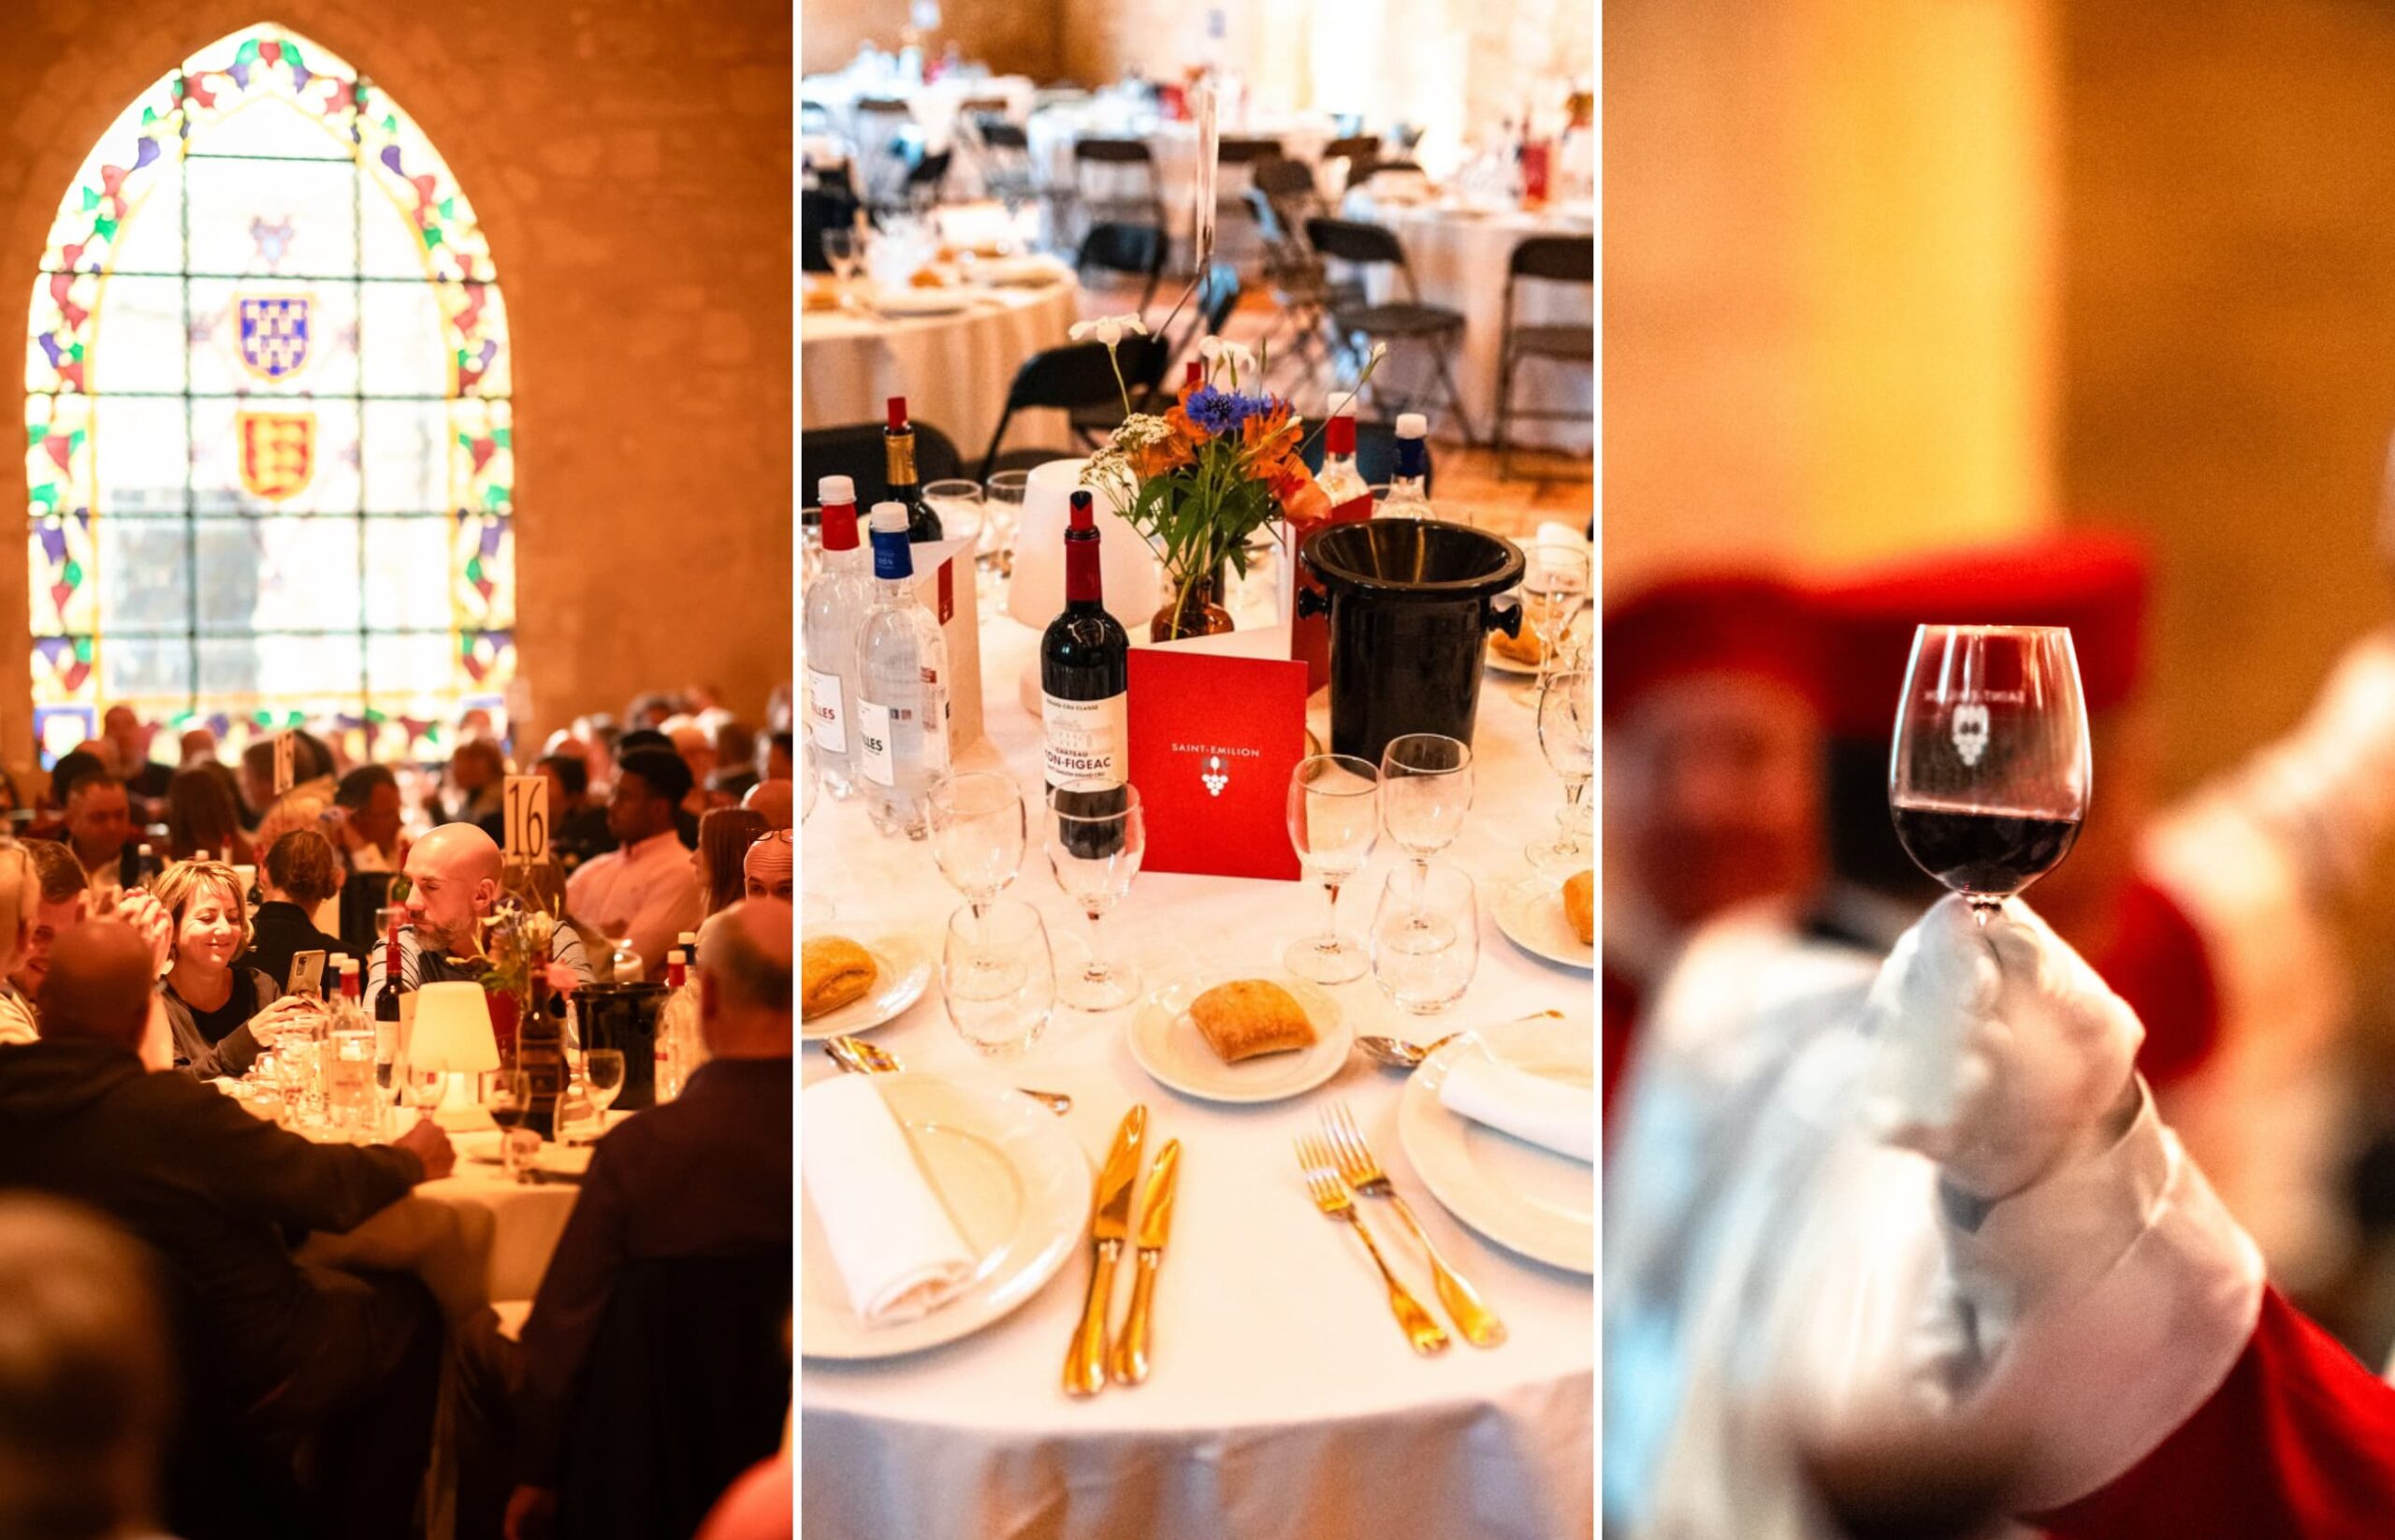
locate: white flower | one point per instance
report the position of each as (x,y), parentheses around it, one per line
(1240,357)
(1108,330)
(1211,347)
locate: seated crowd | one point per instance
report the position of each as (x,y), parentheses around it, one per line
(314,1310)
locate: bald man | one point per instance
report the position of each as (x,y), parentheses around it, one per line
(708,1174)
(454,876)
(274,1349)
(772,798)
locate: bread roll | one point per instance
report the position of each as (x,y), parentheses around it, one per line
(832,971)
(1526,650)
(1580,906)
(1247,1017)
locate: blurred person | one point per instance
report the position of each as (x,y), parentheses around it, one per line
(770,870)
(761,1505)
(720,861)
(99,830)
(645,890)
(695,743)
(657,1187)
(738,753)
(10,801)
(273,1351)
(776,801)
(222,1012)
(777,755)
(578,825)
(476,723)
(87,1380)
(56,906)
(198,745)
(650,712)
(455,879)
(367,825)
(203,815)
(300,874)
(20,914)
(70,768)
(477,781)
(129,740)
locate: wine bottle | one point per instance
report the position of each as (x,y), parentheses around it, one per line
(1408,494)
(1340,481)
(898,447)
(835,605)
(1084,668)
(540,1048)
(386,1011)
(669,1027)
(902,686)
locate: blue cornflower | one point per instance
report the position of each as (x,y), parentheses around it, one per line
(1220,410)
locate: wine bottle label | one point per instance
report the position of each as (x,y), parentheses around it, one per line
(824,705)
(1086,739)
(873,744)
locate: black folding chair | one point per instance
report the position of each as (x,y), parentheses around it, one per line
(1375,453)
(1064,379)
(821,208)
(1546,259)
(1137,250)
(857,452)
(1218,296)
(1101,166)
(1355,146)
(882,128)
(1367,246)
(1301,289)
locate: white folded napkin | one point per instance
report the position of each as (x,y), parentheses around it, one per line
(1546,1112)
(891,1238)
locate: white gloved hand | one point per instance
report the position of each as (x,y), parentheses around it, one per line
(2000,1051)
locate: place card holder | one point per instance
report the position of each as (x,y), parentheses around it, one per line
(944,581)
(1216,724)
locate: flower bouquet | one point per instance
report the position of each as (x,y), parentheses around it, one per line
(1201,479)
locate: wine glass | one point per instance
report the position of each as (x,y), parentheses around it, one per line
(599,1082)
(424,1086)
(1334,818)
(1004,509)
(844,247)
(507,1096)
(979,827)
(1426,939)
(1426,790)
(1988,780)
(1554,580)
(1567,735)
(997,976)
(1096,833)
(958,503)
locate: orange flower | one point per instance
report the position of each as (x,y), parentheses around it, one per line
(1271,440)
(1162,457)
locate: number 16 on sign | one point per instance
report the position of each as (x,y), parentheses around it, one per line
(527,818)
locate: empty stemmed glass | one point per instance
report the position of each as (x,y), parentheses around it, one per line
(1426,790)
(1554,583)
(958,503)
(1567,735)
(1334,819)
(844,248)
(978,831)
(1097,834)
(997,977)
(1003,512)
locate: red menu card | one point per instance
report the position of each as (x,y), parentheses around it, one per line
(1214,737)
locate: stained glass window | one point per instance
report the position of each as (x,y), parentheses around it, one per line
(267,435)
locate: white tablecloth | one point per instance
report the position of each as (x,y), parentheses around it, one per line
(953,370)
(1285,1403)
(933,107)
(1460,260)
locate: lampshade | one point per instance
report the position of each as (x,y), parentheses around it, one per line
(453,1030)
(1127,567)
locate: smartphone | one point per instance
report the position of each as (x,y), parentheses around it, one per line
(308,973)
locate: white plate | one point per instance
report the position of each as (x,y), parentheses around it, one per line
(1504,665)
(913,301)
(1012,1179)
(1531,913)
(1019,271)
(902,970)
(1529,1199)
(1168,1046)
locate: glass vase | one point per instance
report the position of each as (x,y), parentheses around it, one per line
(1189,610)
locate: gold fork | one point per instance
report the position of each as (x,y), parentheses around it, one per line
(1330,1196)
(1477,1321)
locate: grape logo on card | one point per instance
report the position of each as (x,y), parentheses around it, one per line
(1970,732)
(1215,777)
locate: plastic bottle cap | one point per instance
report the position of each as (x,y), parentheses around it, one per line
(1413,425)
(898,408)
(1339,434)
(675,958)
(837,489)
(890,518)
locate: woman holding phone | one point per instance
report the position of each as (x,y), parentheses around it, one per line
(222,1015)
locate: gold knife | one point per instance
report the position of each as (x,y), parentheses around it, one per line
(1085,1361)
(1155,1223)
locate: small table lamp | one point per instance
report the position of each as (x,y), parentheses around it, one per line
(453,1033)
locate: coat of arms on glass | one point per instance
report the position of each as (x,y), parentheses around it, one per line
(267,434)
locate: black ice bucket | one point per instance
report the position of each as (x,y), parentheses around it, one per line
(624,1017)
(1410,606)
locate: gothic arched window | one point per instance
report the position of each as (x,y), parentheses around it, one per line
(267,435)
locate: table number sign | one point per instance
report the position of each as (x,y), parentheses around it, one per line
(286,746)
(527,818)
(1216,725)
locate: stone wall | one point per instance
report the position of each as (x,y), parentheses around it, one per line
(1012,36)
(630,160)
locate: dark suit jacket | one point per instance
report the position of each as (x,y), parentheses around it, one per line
(708,1174)
(211,1187)
(281,932)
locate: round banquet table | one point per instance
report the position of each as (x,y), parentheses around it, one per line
(1285,1403)
(1459,255)
(953,370)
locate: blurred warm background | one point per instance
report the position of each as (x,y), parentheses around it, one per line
(1883,276)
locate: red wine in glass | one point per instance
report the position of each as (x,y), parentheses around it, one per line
(1988,775)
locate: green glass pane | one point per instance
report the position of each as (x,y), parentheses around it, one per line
(47,494)
(74,573)
(82,650)
(90,199)
(35,432)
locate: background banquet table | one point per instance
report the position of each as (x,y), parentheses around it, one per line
(1284,1401)
(1174,144)
(953,370)
(1459,255)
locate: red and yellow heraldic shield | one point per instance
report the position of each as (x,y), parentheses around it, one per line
(278,452)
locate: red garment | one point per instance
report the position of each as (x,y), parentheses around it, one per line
(761,1505)
(2297,1443)
(1621,1020)
(2158,964)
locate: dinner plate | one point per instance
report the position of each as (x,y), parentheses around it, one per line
(1019,272)
(1531,913)
(1012,1179)
(902,970)
(1168,1046)
(1524,1197)
(1504,665)
(913,301)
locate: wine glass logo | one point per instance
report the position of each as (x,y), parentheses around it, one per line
(1214,775)
(1970,732)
